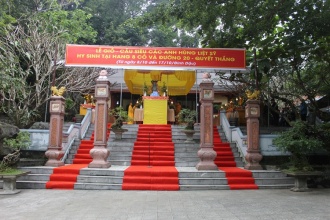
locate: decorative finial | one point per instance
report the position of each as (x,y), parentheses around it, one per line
(57,92)
(103,74)
(206,76)
(252,95)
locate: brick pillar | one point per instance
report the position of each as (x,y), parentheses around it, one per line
(100,152)
(54,152)
(206,152)
(253,156)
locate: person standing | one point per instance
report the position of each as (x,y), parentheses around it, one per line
(275,116)
(130,114)
(303,110)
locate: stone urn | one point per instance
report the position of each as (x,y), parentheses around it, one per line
(118,133)
(189,135)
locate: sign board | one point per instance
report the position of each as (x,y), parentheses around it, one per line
(155,57)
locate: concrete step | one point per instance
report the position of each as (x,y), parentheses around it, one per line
(99,179)
(35,177)
(189,178)
(28,184)
(120,162)
(203,181)
(186,160)
(97,186)
(274,181)
(203,187)
(120,158)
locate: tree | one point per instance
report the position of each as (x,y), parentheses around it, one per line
(291,40)
(111,20)
(31,53)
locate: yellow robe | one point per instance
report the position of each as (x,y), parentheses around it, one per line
(130,115)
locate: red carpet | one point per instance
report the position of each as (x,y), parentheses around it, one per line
(66,176)
(152,165)
(237,178)
(82,156)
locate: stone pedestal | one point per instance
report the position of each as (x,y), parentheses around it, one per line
(206,152)
(119,133)
(253,156)
(300,180)
(9,183)
(100,152)
(189,135)
(54,152)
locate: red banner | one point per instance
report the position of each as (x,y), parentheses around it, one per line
(155,57)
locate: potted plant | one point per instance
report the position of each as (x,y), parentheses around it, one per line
(8,171)
(301,141)
(188,117)
(120,116)
(145,89)
(164,89)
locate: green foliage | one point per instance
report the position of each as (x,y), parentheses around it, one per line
(5,170)
(164,88)
(291,39)
(120,116)
(145,88)
(187,116)
(69,103)
(302,140)
(74,24)
(21,141)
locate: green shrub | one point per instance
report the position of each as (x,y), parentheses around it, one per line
(21,141)
(302,140)
(120,116)
(187,116)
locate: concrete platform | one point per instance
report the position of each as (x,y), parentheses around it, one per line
(161,205)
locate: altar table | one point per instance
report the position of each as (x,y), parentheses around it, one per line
(155,110)
(138,115)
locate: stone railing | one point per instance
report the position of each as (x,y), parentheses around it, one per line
(40,138)
(85,123)
(235,135)
(68,139)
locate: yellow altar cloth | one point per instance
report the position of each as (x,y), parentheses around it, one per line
(155,110)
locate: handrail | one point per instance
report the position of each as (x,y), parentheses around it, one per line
(234,134)
(85,123)
(68,139)
(78,130)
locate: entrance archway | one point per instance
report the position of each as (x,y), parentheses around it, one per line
(157,62)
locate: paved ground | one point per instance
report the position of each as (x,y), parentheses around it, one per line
(157,205)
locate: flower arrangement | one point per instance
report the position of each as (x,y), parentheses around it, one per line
(89,99)
(145,88)
(139,102)
(164,88)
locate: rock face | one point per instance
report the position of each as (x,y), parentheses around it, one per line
(6,131)
(40,125)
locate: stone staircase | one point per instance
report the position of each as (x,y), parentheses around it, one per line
(185,161)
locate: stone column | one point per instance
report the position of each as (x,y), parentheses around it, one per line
(253,156)
(206,152)
(54,152)
(100,152)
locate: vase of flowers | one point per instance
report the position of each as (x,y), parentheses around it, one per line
(164,89)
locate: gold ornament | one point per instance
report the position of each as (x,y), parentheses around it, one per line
(57,92)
